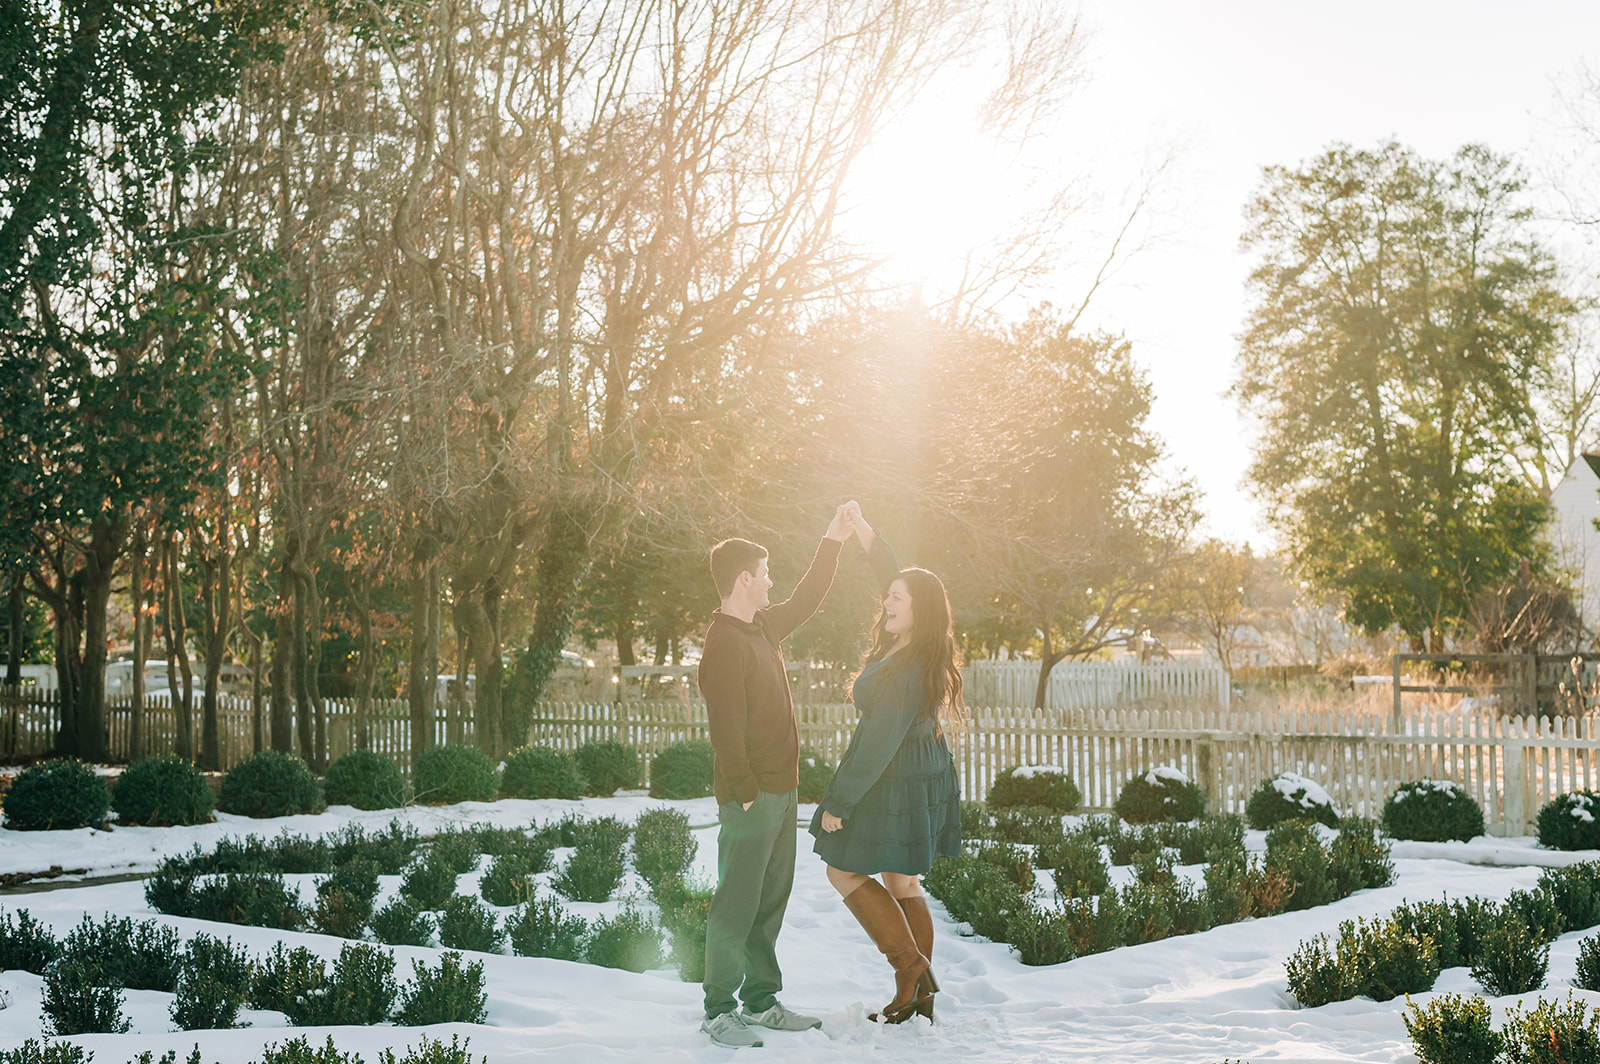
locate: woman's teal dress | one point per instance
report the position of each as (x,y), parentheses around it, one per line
(896,788)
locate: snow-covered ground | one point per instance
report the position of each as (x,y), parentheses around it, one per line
(1199,998)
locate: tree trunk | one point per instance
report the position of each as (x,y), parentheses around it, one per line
(297,669)
(1047,662)
(562,563)
(178,652)
(367,677)
(141,627)
(423,668)
(17,612)
(216,600)
(283,657)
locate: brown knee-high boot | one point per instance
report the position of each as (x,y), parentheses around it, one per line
(920,920)
(885,923)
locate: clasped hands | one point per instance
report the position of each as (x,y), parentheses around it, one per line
(847,521)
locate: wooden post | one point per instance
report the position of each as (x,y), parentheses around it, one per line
(1532,662)
(1515,784)
(1396,726)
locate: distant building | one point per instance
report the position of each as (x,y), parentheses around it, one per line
(1574,540)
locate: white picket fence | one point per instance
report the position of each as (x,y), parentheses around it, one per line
(1096,684)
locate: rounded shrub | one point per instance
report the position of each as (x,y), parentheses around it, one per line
(1163,793)
(540,772)
(629,941)
(1289,796)
(271,783)
(1432,811)
(1570,822)
(366,780)
(60,793)
(608,767)
(663,846)
(1044,786)
(815,775)
(454,772)
(682,770)
(162,791)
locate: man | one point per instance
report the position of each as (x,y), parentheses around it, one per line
(756,769)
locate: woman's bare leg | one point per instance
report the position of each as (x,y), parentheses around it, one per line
(845,882)
(902,886)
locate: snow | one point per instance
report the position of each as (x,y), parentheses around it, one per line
(1165,772)
(1418,786)
(1023,772)
(1199,998)
(1297,788)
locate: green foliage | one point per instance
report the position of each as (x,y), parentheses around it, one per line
(815,775)
(454,772)
(683,914)
(1096,924)
(1436,920)
(1575,893)
(1427,276)
(1288,796)
(1040,936)
(433,1051)
(1588,977)
(1569,822)
(682,770)
(1554,1033)
(1537,909)
(366,780)
(344,899)
(459,851)
(389,848)
(57,794)
(1079,868)
(1358,859)
(508,881)
(630,942)
(300,1051)
(608,766)
(161,791)
(978,891)
(976,823)
(77,1001)
(1432,811)
(26,944)
(450,993)
(595,869)
(255,900)
(663,846)
(212,985)
(270,783)
(1031,785)
(1511,958)
(1160,794)
(1452,1029)
(34,1051)
(1381,959)
(402,923)
(466,924)
(541,928)
(1035,825)
(1295,852)
(540,772)
(119,952)
(360,990)
(282,977)
(429,883)
(1474,918)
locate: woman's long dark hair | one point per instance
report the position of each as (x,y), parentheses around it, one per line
(932,647)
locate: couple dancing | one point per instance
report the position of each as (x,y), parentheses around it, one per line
(892,807)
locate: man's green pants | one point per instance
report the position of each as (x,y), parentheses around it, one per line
(755,872)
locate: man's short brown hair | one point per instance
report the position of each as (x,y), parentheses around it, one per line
(732,557)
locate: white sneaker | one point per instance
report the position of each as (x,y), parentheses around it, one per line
(779,1018)
(729,1029)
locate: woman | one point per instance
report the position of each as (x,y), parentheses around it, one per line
(894,804)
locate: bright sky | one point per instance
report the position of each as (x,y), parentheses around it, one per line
(1226,89)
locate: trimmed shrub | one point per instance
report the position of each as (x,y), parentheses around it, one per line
(459,851)
(162,791)
(1096,924)
(542,929)
(282,977)
(976,891)
(682,770)
(450,993)
(389,848)
(976,823)
(467,925)
(77,1001)
(683,914)
(34,1051)
(344,899)
(360,990)
(1565,823)
(1380,959)
(630,941)
(509,880)
(1511,958)
(54,795)
(1588,977)
(143,956)
(1474,918)
(540,772)
(1575,892)
(1432,811)
(1044,786)
(815,775)
(453,773)
(1436,920)
(1295,853)
(1033,824)
(1237,887)
(299,1051)
(590,874)
(1289,796)
(1149,917)
(366,780)
(26,944)
(1163,793)
(401,923)
(663,846)
(429,883)
(433,1051)
(1553,1033)
(1079,869)
(213,984)
(1358,859)
(1205,839)
(1537,909)
(608,766)
(1452,1029)
(254,900)
(271,783)
(1039,936)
